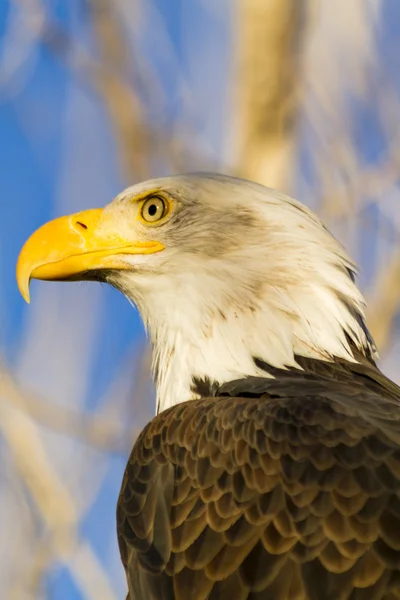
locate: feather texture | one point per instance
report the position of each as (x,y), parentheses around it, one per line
(290,491)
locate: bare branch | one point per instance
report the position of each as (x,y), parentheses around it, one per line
(269,36)
(101,432)
(54,503)
(384,303)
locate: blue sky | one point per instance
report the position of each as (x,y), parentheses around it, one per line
(57,155)
(55,158)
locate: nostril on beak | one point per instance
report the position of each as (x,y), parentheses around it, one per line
(80,224)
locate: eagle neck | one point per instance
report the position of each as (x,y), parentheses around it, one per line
(192,359)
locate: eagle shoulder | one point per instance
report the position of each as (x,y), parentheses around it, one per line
(289,490)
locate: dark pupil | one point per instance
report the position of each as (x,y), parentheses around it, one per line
(152,209)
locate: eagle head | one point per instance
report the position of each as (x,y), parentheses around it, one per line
(228,275)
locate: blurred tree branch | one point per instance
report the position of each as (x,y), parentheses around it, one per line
(384,302)
(125,108)
(53,501)
(100,432)
(114,76)
(269,36)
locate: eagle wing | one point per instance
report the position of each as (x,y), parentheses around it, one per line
(281,489)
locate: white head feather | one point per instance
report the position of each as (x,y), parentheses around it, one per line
(246,273)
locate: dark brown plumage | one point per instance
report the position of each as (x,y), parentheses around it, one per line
(289,492)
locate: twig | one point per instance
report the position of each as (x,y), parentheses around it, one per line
(55,505)
(102,433)
(384,303)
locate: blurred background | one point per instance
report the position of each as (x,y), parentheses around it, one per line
(301,95)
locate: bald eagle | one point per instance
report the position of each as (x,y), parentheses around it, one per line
(271,470)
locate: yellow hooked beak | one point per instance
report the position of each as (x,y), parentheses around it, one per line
(68,246)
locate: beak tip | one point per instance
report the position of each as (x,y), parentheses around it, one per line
(23,281)
(24,291)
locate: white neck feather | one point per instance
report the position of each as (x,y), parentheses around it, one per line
(216,336)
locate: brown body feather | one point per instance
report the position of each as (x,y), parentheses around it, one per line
(289,492)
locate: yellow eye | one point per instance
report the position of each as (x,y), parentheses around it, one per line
(154,209)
